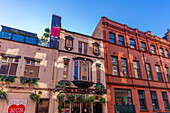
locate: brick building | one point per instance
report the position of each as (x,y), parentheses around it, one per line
(137,66)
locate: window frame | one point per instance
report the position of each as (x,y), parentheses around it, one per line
(111,38)
(162,52)
(143,46)
(167,53)
(167,73)
(98,68)
(9,64)
(165,99)
(123,98)
(138,69)
(144,99)
(150,71)
(159,74)
(122,41)
(125,67)
(155,100)
(115,64)
(153,49)
(132,44)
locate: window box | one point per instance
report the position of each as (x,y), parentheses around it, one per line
(64,83)
(7,79)
(30,81)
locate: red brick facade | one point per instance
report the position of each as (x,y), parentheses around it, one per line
(113,82)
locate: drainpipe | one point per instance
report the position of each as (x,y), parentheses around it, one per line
(148,79)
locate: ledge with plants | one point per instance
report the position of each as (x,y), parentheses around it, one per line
(100,88)
(30,81)
(102,100)
(7,79)
(3,95)
(35,97)
(64,84)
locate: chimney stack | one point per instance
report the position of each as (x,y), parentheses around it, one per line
(167,35)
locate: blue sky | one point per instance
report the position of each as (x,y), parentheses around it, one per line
(83,15)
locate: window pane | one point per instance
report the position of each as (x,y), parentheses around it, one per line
(149,71)
(154,99)
(142,99)
(65,73)
(85,48)
(4,68)
(153,49)
(13,69)
(112,38)
(165,100)
(121,40)
(132,44)
(115,66)
(98,74)
(80,47)
(124,67)
(167,53)
(143,46)
(162,52)
(84,71)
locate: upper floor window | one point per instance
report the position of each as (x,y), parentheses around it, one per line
(115,69)
(96,48)
(142,99)
(9,66)
(121,40)
(159,73)
(136,69)
(132,43)
(83,48)
(143,46)
(98,73)
(148,70)
(153,49)
(112,38)
(165,100)
(167,53)
(162,52)
(65,71)
(154,99)
(123,97)
(167,73)
(124,67)
(32,67)
(82,70)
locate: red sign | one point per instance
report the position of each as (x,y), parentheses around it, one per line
(16,108)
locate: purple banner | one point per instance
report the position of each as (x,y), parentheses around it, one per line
(55,32)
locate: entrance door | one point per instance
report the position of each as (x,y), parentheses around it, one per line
(97,107)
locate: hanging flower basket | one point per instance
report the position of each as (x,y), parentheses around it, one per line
(30,81)
(102,101)
(80,99)
(3,95)
(90,99)
(7,79)
(64,84)
(100,87)
(71,98)
(35,97)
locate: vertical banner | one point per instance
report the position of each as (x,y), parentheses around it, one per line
(17,106)
(55,32)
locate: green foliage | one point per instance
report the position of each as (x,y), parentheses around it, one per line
(80,99)
(30,81)
(60,101)
(71,98)
(35,97)
(63,84)
(3,95)
(7,79)
(100,87)
(46,35)
(102,100)
(90,99)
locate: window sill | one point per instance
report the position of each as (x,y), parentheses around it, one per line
(144,110)
(29,77)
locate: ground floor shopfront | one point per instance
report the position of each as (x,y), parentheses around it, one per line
(127,99)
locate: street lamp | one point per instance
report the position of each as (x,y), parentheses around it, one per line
(148,80)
